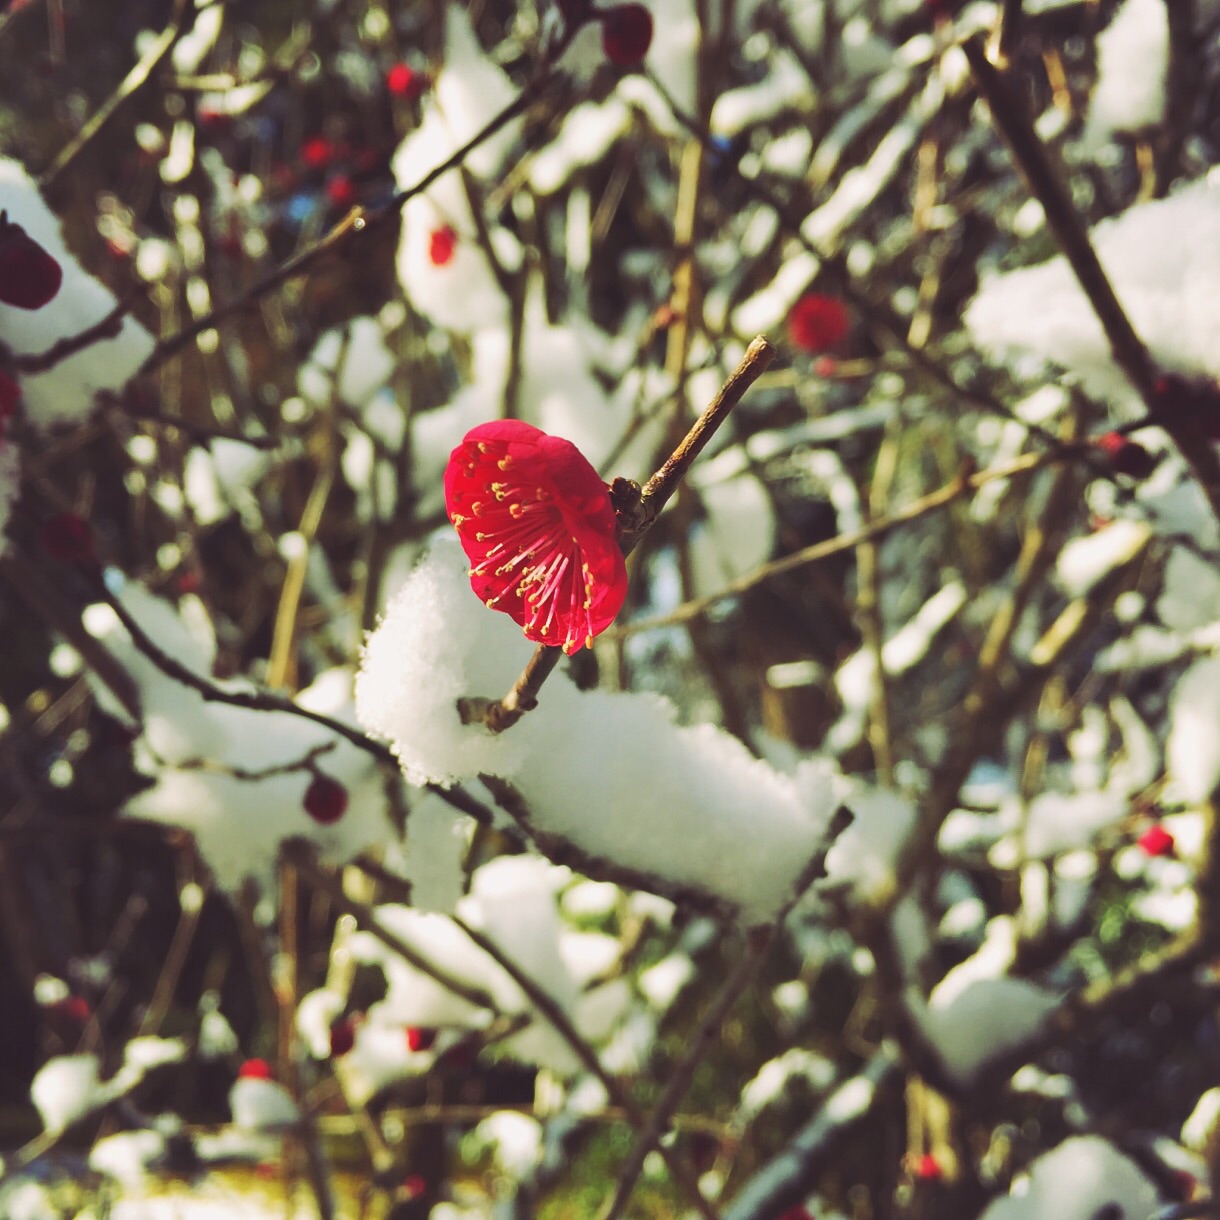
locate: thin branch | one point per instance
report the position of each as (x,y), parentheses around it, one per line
(257,701)
(758,946)
(106,328)
(932,502)
(657,491)
(785,1181)
(1128,350)
(367,921)
(555,1015)
(635,521)
(265,701)
(134,81)
(355,222)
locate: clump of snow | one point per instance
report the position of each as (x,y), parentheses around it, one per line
(513,902)
(1056,822)
(610,772)
(856,678)
(261,1105)
(350,363)
(316,1013)
(208,758)
(65,392)
(217,479)
(736,535)
(977,1012)
(585,136)
(1190,594)
(515,1141)
(1192,751)
(437,839)
(1085,561)
(68,1087)
(866,853)
(459,292)
(769,1082)
(1132,65)
(127,1155)
(1083,1178)
(65,1089)
(1163,260)
(786,85)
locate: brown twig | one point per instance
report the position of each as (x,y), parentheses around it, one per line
(758,945)
(265,701)
(657,491)
(355,222)
(501,714)
(560,1022)
(932,502)
(106,328)
(258,701)
(1128,350)
(134,81)
(366,919)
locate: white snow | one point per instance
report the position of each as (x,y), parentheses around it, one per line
(192,747)
(1075,1182)
(261,1105)
(1192,750)
(67,1088)
(1132,65)
(611,772)
(1086,560)
(66,392)
(1163,259)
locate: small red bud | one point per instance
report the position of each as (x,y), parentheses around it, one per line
(927,1168)
(403,81)
(75,1008)
(420,1038)
(67,537)
(255,1069)
(1127,456)
(325,800)
(317,152)
(29,276)
(414,1185)
(1156,841)
(664,317)
(340,190)
(818,322)
(626,34)
(442,243)
(342,1037)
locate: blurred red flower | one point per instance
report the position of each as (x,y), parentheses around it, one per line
(29,276)
(1156,841)
(626,34)
(403,81)
(536,522)
(817,322)
(441,244)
